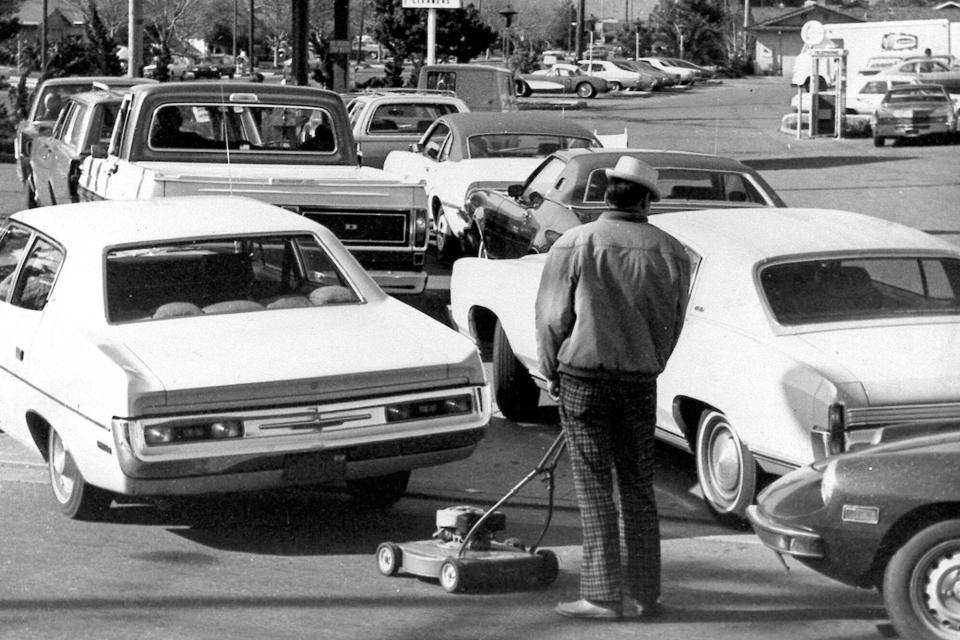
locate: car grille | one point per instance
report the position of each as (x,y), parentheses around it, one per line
(879,416)
(363,227)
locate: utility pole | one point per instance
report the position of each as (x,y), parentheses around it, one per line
(252,57)
(43,41)
(134,39)
(578,45)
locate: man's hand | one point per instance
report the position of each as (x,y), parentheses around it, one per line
(553,390)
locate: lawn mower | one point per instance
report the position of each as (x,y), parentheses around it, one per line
(464,552)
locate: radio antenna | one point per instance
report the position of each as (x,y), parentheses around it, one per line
(224,134)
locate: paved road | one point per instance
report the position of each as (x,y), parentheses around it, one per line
(301,565)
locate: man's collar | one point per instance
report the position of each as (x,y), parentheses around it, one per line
(619,214)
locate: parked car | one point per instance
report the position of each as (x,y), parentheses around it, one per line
(619,77)
(385,121)
(464,151)
(561,78)
(567,189)
(703,72)
(867,100)
(87,119)
(808,331)
(928,71)
(914,111)
(213,344)
(885,518)
(685,75)
(483,87)
(876,64)
(45,105)
(220,65)
(651,79)
(180,67)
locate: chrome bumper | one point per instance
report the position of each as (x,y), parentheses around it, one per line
(793,541)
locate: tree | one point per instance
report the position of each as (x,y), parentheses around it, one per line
(103,48)
(559,32)
(690,29)
(460,35)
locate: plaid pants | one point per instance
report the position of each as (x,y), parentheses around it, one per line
(610,425)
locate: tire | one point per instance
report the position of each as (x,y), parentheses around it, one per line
(921,584)
(451,576)
(514,390)
(726,469)
(379,492)
(878,141)
(615,86)
(389,558)
(77,499)
(523,89)
(550,568)
(448,245)
(586,90)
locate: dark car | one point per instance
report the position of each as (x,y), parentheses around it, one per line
(48,98)
(885,517)
(222,64)
(567,189)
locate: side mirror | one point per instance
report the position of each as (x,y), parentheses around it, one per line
(98,151)
(515,190)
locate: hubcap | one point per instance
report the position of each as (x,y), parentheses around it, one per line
(940,578)
(448,575)
(725,463)
(63,470)
(386,558)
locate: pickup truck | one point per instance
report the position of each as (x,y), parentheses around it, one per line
(287,145)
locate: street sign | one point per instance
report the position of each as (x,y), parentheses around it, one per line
(432,4)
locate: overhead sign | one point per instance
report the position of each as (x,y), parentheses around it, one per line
(432,4)
(812,32)
(340,46)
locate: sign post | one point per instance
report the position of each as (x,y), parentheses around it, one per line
(432,6)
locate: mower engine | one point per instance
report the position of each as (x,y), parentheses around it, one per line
(454,523)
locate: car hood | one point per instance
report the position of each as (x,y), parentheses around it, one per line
(894,363)
(334,352)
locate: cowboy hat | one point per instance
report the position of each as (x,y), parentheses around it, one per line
(632,170)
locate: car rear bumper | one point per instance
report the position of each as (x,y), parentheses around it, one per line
(793,541)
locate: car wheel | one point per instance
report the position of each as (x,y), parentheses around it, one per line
(878,141)
(921,584)
(516,393)
(77,499)
(726,469)
(615,86)
(550,568)
(379,492)
(389,558)
(523,89)
(586,90)
(448,245)
(451,575)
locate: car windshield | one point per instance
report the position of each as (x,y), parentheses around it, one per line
(243,128)
(843,289)
(916,95)
(524,145)
(222,275)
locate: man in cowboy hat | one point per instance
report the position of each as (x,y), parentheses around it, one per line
(609,310)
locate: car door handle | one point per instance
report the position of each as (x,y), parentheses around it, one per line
(19,353)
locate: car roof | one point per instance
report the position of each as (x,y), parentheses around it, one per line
(513,122)
(117,222)
(409,96)
(595,158)
(226,89)
(757,234)
(113,81)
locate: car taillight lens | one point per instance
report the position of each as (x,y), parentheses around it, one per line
(162,434)
(836,423)
(420,227)
(429,408)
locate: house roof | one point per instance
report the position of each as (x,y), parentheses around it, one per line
(31,12)
(793,18)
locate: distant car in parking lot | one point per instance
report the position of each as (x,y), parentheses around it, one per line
(685,75)
(561,78)
(928,71)
(619,77)
(914,111)
(868,98)
(220,65)
(885,518)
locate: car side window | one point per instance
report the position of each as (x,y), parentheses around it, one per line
(431,145)
(74,131)
(63,120)
(39,272)
(12,243)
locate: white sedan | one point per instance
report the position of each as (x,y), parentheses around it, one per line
(808,331)
(185,346)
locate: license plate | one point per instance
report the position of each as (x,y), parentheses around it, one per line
(314,468)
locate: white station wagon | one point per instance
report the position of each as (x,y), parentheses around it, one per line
(807,332)
(184,346)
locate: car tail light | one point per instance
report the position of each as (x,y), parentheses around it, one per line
(429,408)
(833,434)
(161,434)
(420,227)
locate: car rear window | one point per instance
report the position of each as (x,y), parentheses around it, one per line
(842,289)
(223,275)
